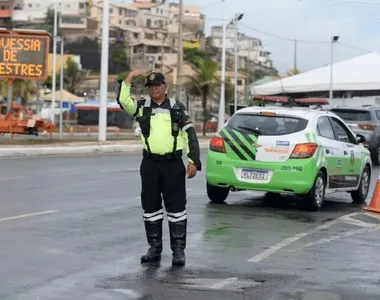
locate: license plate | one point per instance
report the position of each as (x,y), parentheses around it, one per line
(254,174)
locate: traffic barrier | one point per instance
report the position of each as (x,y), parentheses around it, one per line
(374,206)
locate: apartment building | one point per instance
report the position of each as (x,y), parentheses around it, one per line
(6,8)
(193,26)
(249,48)
(143,26)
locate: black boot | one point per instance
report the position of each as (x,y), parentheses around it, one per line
(154,237)
(178,242)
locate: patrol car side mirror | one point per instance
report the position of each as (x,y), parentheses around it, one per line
(360,138)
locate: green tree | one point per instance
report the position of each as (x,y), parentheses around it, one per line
(202,83)
(25,89)
(192,56)
(119,57)
(72,77)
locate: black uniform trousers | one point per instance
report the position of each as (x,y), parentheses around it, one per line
(164,180)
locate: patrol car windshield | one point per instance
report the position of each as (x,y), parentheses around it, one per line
(266,125)
(352,114)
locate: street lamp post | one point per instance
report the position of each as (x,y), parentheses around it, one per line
(334,40)
(60,39)
(238,17)
(54,75)
(102,130)
(222,100)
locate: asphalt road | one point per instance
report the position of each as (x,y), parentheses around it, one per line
(71,228)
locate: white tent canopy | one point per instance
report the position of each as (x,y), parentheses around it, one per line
(356,74)
(67,97)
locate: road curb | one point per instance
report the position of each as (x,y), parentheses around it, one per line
(76,150)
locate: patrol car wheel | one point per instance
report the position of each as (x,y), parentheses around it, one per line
(315,197)
(217,194)
(361,194)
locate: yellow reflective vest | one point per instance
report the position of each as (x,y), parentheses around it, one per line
(161,140)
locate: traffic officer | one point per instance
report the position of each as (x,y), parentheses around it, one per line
(166,128)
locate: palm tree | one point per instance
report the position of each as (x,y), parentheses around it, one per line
(25,89)
(201,84)
(73,75)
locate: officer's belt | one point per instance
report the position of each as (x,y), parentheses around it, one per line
(162,157)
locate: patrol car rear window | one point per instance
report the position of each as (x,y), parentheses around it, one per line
(267,125)
(353,114)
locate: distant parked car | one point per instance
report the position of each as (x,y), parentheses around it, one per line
(364,120)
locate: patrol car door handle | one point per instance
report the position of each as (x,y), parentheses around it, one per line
(345,152)
(327,151)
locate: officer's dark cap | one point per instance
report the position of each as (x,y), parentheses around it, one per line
(155,78)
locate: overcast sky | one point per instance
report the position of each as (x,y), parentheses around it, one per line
(357,22)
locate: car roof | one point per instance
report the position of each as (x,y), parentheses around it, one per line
(355,107)
(291,111)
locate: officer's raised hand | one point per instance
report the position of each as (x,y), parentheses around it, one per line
(191,170)
(133,74)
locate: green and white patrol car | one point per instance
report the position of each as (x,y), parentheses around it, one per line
(301,151)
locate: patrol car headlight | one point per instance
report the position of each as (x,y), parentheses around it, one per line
(217,144)
(305,150)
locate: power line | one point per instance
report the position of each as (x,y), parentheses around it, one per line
(285,38)
(354,3)
(355,47)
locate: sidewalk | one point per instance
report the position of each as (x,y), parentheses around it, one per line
(78,148)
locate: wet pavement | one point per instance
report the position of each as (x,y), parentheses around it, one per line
(71,228)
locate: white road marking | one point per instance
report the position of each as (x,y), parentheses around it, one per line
(223,283)
(347,219)
(130,293)
(335,237)
(372,214)
(28,215)
(268,252)
(12,178)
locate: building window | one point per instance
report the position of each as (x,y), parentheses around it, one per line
(240,82)
(81,5)
(120,12)
(72,20)
(148,23)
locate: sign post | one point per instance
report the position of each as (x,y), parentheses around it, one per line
(23,55)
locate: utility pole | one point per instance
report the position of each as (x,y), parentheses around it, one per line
(238,17)
(295,55)
(102,128)
(222,100)
(54,75)
(162,55)
(180,50)
(334,40)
